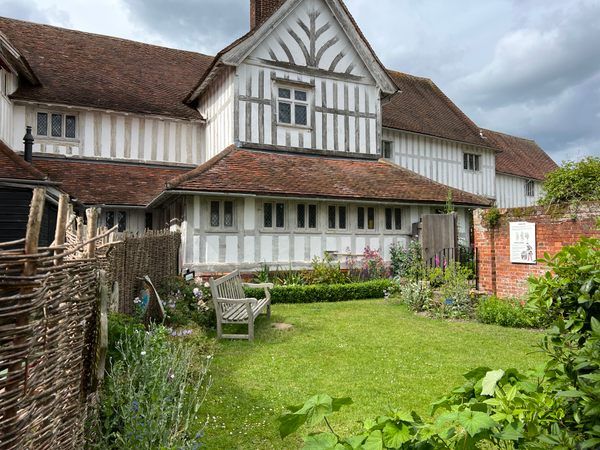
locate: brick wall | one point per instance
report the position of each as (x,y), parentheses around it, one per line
(261,10)
(555,228)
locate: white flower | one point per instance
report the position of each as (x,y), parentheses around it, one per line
(196,291)
(137,300)
(207,284)
(143,353)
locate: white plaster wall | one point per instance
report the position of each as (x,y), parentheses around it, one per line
(510,192)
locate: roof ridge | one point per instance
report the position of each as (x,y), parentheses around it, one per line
(510,135)
(201,168)
(450,188)
(410,75)
(106,36)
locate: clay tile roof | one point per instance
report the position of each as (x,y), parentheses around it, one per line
(91,70)
(105,183)
(13,166)
(284,174)
(520,157)
(421,107)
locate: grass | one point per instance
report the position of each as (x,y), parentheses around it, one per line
(378,354)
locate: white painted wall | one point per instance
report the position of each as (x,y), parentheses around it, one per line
(136,218)
(442,161)
(115,136)
(249,244)
(217,107)
(510,192)
(8,84)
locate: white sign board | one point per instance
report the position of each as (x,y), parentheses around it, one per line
(522,243)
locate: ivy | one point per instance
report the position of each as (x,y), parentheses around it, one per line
(574,182)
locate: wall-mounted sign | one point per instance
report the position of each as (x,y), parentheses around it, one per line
(522,243)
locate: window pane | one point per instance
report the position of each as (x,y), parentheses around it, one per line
(361,218)
(301,115)
(476,162)
(149,221)
(285,93)
(312,216)
(110,219)
(387,149)
(214,214)
(332,217)
(285,112)
(228,218)
(57,125)
(371,218)
(42,124)
(388,218)
(122,221)
(342,218)
(398,218)
(70,126)
(300,95)
(301,214)
(268,215)
(466,161)
(280,215)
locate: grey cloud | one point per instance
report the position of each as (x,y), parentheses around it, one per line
(33,12)
(205,26)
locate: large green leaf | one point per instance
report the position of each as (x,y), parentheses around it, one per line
(311,413)
(374,441)
(490,381)
(321,441)
(475,422)
(289,423)
(395,435)
(316,408)
(512,432)
(337,403)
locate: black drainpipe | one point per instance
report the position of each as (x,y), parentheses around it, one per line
(28,140)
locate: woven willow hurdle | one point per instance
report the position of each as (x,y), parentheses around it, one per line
(50,326)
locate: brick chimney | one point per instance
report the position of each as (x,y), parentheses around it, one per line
(261,10)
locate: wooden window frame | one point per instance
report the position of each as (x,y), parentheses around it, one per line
(337,209)
(366,210)
(529,188)
(386,146)
(293,102)
(63,137)
(471,162)
(307,207)
(221,226)
(274,226)
(396,221)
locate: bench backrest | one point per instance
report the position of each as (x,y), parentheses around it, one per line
(228,287)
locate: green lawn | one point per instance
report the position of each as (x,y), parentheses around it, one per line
(378,354)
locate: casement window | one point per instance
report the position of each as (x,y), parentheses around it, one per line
(393,218)
(292,106)
(337,217)
(471,162)
(530,188)
(116,218)
(387,149)
(221,214)
(274,215)
(306,216)
(365,218)
(149,221)
(56,125)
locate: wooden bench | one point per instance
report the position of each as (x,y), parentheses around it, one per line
(232,306)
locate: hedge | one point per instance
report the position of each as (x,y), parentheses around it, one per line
(325,293)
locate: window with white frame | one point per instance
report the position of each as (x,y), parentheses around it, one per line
(119,218)
(530,188)
(393,219)
(471,162)
(365,218)
(306,216)
(337,217)
(387,149)
(56,125)
(292,106)
(274,215)
(222,214)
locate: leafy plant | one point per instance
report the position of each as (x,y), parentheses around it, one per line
(573,182)
(507,313)
(454,300)
(491,217)
(120,326)
(326,271)
(435,276)
(187,302)
(151,397)
(289,277)
(370,266)
(449,207)
(407,262)
(414,294)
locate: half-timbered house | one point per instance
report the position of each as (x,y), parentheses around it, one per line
(292,141)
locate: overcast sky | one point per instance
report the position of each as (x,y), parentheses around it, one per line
(524,67)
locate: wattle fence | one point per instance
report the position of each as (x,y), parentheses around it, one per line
(52,331)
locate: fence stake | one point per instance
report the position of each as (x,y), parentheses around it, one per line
(17,370)
(61,225)
(92,225)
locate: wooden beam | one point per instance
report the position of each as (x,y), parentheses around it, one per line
(62,218)
(92,225)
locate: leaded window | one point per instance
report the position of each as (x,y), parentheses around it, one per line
(387,147)
(393,218)
(301,216)
(312,216)
(42,124)
(268,215)
(471,162)
(371,218)
(122,221)
(360,218)
(110,219)
(293,106)
(215,214)
(280,215)
(274,209)
(530,188)
(56,125)
(70,127)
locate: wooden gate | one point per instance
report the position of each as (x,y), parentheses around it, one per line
(439,239)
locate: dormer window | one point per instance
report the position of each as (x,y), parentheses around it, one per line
(56,125)
(292,106)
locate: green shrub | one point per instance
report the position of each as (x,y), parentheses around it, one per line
(436,277)
(507,313)
(152,395)
(573,182)
(454,300)
(324,293)
(187,302)
(407,262)
(414,294)
(326,271)
(370,266)
(120,327)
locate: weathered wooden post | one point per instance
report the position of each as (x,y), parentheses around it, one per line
(61,226)
(92,225)
(17,370)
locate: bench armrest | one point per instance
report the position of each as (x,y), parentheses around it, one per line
(237,301)
(259,286)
